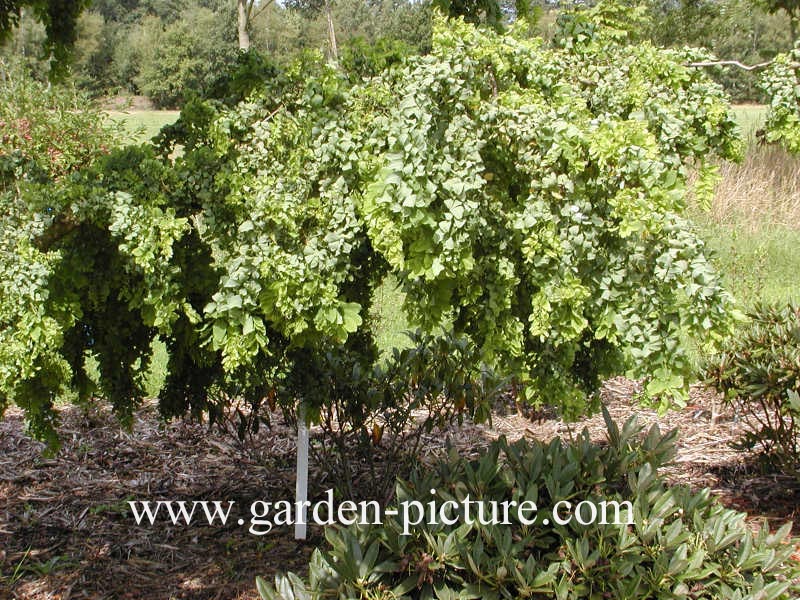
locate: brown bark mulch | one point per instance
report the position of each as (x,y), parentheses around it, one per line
(66,531)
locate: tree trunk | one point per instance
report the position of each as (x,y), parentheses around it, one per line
(22,30)
(331,32)
(242,22)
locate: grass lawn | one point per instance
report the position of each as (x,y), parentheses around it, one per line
(757,266)
(142,125)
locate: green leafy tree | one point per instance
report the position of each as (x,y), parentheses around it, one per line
(781,84)
(494,13)
(790,7)
(60,20)
(186,57)
(130,46)
(93,54)
(304,25)
(731,29)
(24,47)
(473,11)
(246,12)
(119,11)
(528,200)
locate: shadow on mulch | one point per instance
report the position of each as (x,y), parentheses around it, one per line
(748,485)
(67,531)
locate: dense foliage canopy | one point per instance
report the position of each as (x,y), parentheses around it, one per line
(46,136)
(526,197)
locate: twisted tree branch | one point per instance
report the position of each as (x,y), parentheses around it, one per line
(736,63)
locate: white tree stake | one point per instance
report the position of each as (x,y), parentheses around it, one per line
(301,488)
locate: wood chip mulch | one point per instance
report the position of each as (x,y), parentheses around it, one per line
(67,533)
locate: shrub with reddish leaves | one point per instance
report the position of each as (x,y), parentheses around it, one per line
(47,131)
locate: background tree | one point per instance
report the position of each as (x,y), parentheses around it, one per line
(738,29)
(93,54)
(407,22)
(24,46)
(184,57)
(494,13)
(60,20)
(245,16)
(790,7)
(472,11)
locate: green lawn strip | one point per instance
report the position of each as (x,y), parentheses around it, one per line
(142,125)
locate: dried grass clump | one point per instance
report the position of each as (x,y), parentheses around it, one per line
(763,189)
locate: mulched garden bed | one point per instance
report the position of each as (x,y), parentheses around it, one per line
(66,531)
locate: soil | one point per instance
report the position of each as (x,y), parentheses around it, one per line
(66,530)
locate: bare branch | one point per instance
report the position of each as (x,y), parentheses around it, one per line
(262,7)
(736,63)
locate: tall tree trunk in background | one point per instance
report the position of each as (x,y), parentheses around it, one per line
(242,22)
(331,32)
(21,26)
